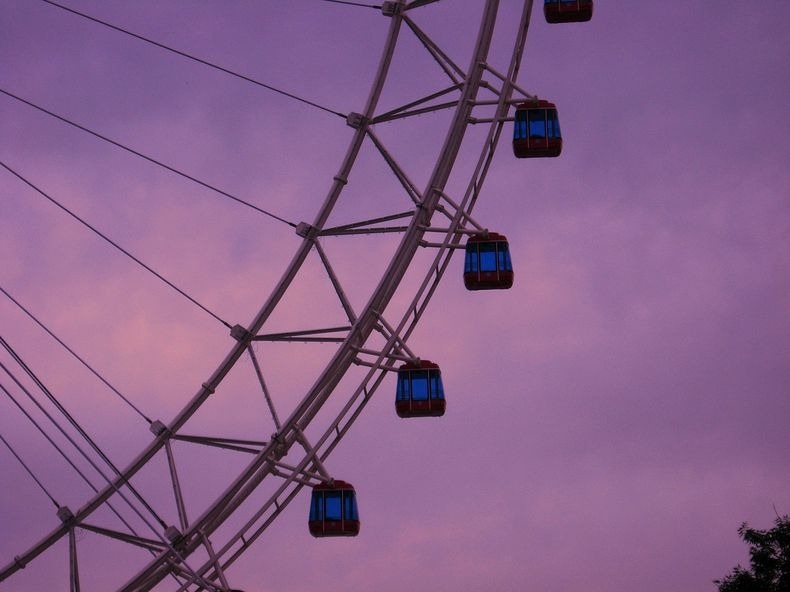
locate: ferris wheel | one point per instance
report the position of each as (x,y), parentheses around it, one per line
(195,546)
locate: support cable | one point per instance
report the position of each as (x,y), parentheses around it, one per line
(17,358)
(146,157)
(29,471)
(194,577)
(70,462)
(42,430)
(419,3)
(73,353)
(60,451)
(55,446)
(196,59)
(377,7)
(114,244)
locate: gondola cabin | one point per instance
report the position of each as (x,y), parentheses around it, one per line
(536,130)
(487,264)
(333,510)
(567,11)
(419,392)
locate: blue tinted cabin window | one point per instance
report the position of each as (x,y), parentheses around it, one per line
(333,507)
(488,257)
(317,506)
(537,123)
(402,391)
(350,506)
(437,390)
(470,263)
(419,385)
(503,255)
(553,124)
(520,126)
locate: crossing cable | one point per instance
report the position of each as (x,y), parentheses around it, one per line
(24,466)
(194,576)
(73,353)
(146,157)
(42,430)
(48,394)
(113,243)
(60,451)
(377,7)
(196,59)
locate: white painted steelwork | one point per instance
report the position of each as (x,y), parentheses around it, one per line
(170,553)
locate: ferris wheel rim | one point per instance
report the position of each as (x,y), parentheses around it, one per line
(408,246)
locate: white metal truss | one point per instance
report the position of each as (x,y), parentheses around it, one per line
(375,338)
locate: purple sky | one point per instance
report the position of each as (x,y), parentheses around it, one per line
(612,418)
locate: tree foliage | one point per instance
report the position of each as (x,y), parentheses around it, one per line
(769,556)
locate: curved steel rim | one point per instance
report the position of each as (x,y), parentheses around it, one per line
(212,518)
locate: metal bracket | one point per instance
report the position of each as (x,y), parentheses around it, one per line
(175,537)
(157,428)
(65,514)
(355,120)
(239,333)
(306,230)
(390,8)
(279,448)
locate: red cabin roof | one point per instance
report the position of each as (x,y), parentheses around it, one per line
(421,365)
(491,237)
(565,11)
(335,485)
(536,104)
